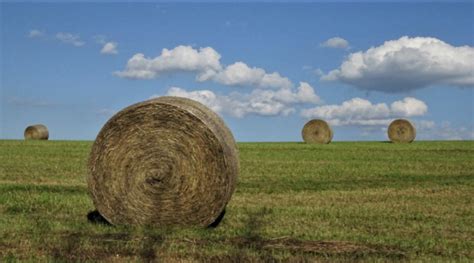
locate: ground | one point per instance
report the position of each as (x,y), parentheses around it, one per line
(346,201)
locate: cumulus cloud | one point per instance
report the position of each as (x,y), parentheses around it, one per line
(238,105)
(204,62)
(35,33)
(336,42)
(206,97)
(443,131)
(69,38)
(359,111)
(109,48)
(407,64)
(272,95)
(240,74)
(408,107)
(304,94)
(264,102)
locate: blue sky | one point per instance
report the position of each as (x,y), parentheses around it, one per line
(265,68)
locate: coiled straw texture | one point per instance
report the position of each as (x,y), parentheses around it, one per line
(317,131)
(165,161)
(36,132)
(401,131)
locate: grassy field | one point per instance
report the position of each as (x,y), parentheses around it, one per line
(346,201)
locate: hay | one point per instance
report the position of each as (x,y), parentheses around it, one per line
(401,131)
(165,161)
(36,132)
(317,131)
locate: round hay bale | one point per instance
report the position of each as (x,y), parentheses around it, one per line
(36,132)
(401,131)
(317,131)
(165,161)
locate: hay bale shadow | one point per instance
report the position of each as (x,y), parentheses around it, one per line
(218,220)
(96,218)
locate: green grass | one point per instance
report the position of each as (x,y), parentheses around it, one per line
(346,201)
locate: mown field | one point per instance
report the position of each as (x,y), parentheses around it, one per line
(346,201)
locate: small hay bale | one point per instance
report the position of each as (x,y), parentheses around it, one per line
(36,132)
(317,131)
(401,131)
(164,161)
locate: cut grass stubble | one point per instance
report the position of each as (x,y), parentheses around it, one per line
(341,201)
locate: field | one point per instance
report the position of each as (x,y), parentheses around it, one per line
(346,201)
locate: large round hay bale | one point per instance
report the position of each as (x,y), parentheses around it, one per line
(401,131)
(165,161)
(317,131)
(36,132)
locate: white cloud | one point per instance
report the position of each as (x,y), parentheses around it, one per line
(408,107)
(305,94)
(109,48)
(359,111)
(236,104)
(407,64)
(264,102)
(206,97)
(272,95)
(336,42)
(69,38)
(35,33)
(204,62)
(240,74)
(443,131)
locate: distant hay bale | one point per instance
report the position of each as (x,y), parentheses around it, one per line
(165,161)
(36,132)
(401,131)
(317,131)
